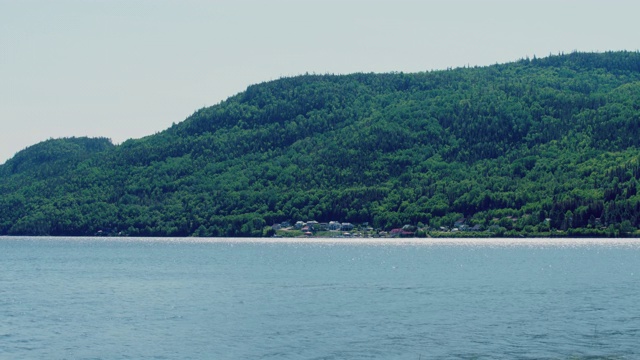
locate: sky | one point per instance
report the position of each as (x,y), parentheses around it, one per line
(126,69)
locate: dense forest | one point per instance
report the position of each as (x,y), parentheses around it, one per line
(542,146)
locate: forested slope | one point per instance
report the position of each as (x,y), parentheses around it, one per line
(528,147)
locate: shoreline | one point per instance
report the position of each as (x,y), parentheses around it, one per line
(554,241)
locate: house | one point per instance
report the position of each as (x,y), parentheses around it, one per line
(334,225)
(346,226)
(395,232)
(313,225)
(299,225)
(400,233)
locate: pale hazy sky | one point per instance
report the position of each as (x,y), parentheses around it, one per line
(127,68)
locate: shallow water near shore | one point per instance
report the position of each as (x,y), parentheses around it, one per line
(105,298)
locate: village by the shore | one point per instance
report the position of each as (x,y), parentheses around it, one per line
(461,228)
(314,228)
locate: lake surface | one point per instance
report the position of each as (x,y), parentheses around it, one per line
(70,298)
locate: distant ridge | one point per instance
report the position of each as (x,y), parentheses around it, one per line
(536,147)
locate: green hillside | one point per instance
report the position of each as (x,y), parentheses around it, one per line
(536,147)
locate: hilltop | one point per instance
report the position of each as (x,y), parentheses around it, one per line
(536,146)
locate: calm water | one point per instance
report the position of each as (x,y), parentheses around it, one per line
(135,299)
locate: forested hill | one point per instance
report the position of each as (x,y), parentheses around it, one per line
(538,146)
